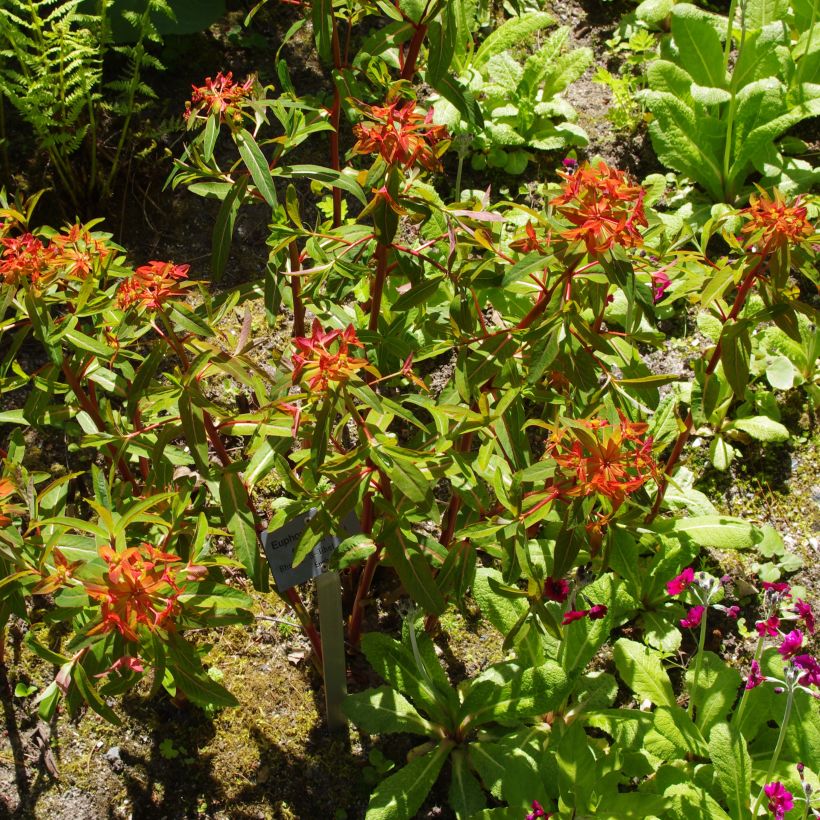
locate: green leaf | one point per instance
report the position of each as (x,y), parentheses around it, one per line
(326,177)
(781,373)
(192,679)
(239,519)
(404,551)
(91,696)
(736,350)
(733,766)
(690,802)
(256,163)
(322,18)
(510,35)
(466,797)
(699,50)
(384,711)
(223,228)
(576,768)
(191,417)
(509,692)
(673,735)
(641,669)
(721,531)
(761,428)
(399,796)
(721,453)
(716,692)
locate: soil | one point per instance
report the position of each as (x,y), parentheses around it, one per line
(272,756)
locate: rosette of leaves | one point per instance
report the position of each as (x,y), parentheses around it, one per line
(719,125)
(475,726)
(519,98)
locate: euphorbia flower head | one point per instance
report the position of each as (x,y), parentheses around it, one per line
(772,223)
(594,456)
(780,799)
(138,590)
(693,617)
(152,284)
(530,241)
(792,644)
(24,258)
(75,251)
(219,96)
(401,135)
(604,207)
(681,582)
(320,363)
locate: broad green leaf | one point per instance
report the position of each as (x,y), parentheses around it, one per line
(761,428)
(781,373)
(733,766)
(510,35)
(236,511)
(466,797)
(716,693)
(641,669)
(660,632)
(383,711)
(399,796)
(673,735)
(699,50)
(721,453)
(691,802)
(721,531)
(576,768)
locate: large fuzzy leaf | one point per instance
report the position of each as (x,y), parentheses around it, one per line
(733,766)
(641,670)
(509,35)
(699,50)
(383,711)
(716,692)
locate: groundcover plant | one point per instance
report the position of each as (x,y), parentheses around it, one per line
(461,396)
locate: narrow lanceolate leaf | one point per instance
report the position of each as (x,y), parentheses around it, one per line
(239,520)
(192,679)
(223,228)
(193,425)
(400,795)
(91,696)
(258,166)
(642,671)
(384,711)
(733,766)
(403,551)
(322,18)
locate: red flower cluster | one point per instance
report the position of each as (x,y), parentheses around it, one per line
(321,365)
(138,589)
(401,135)
(6,489)
(152,284)
(538,812)
(556,590)
(598,457)
(772,223)
(681,582)
(75,251)
(530,241)
(605,209)
(594,613)
(220,96)
(24,257)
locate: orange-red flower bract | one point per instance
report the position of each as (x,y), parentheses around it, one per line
(401,135)
(152,284)
(596,457)
(75,251)
(218,96)
(138,589)
(320,365)
(24,257)
(604,207)
(773,223)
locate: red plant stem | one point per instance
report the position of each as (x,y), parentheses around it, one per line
(683,436)
(296,289)
(354,624)
(409,68)
(144,465)
(91,409)
(378,286)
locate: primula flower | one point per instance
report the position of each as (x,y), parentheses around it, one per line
(537,812)
(792,644)
(152,284)
(772,223)
(681,582)
(804,611)
(755,677)
(596,457)
(574,615)
(401,135)
(597,612)
(694,617)
(604,207)
(556,590)
(780,799)
(23,258)
(810,668)
(219,96)
(660,284)
(319,363)
(780,587)
(768,627)
(138,590)
(732,612)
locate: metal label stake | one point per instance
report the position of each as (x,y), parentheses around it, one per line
(331,627)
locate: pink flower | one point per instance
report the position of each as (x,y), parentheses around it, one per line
(681,582)
(574,615)
(810,667)
(780,799)
(660,284)
(792,644)
(597,612)
(732,612)
(768,627)
(755,678)
(538,811)
(694,617)
(803,610)
(556,590)
(780,587)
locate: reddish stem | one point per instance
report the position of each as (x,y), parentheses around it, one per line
(296,289)
(409,67)
(354,627)
(378,286)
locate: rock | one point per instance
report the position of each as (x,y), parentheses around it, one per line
(113,757)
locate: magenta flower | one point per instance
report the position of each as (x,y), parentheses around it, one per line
(755,678)
(681,582)
(768,627)
(780,587)
(574,615)
(597,612)
(803,610)
(811,669)
(694,617)
(780,799)
(556,590)
(732,612)
(538,811)
(660,284)
(792,644)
